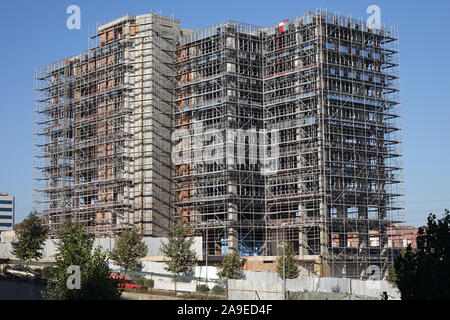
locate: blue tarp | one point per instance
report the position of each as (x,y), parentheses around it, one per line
(246,248)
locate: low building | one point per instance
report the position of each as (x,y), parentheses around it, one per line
(7,212)
(400,236)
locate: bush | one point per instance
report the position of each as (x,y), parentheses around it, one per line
(217,289)
(47,272)
(150,283)
(202,288)
(6,267)
(76,247)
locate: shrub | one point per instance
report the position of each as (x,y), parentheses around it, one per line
(150,283)
(47,272)
(6,267)
(217,289)
(145,282)
(76,247)
(202,288)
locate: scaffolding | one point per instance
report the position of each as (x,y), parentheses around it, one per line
(332,83)
(102,129)
(327,86)
(219,91)
(317,94)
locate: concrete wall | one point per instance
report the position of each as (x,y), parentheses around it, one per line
(170,285)
(267,286)
(8,236)
(5,250)
(197,271)
(326,296)
(153,244)
(166,283)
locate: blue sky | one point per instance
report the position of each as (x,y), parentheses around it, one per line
(34,33)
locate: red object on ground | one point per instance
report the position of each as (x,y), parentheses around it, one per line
(123,281)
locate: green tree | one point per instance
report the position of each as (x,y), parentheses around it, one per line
(290,265)
(230,266)
(178,250)
(31,237)
(422,274)
(75,248)
(128,249)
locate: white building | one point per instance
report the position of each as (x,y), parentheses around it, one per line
(7,212)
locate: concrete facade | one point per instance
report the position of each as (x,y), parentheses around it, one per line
(268,286)
(103,129)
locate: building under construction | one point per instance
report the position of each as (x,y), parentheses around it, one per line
(285,133)
(103,127)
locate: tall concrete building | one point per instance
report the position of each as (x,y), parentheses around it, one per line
(283,133)
(103,126)
(7,212)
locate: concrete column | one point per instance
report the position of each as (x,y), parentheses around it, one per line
(303,242)
(233,217)
(362,270)
(383,241)
(232,240)
(323,231)
(363,229)
(341,211)
(363,237)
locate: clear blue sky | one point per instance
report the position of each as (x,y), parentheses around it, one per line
(34,33)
